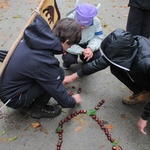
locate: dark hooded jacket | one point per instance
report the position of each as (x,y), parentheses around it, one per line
(142,4)
(129,53)
(32,62)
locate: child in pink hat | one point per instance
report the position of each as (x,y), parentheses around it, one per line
(92,36)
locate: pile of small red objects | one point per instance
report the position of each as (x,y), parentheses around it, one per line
(91,113)
(78,91)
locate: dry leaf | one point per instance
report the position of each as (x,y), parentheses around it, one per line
(36,125)
(110,126)
(4,5)
(123,116)
(3,139)
(78,128)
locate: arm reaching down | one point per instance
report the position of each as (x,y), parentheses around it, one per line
(69,79)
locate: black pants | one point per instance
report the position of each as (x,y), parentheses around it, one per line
(138,22)
(70,59)
(123,76)
(36,94)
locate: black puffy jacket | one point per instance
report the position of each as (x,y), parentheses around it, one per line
(131,53)
(120,48)
(143,4)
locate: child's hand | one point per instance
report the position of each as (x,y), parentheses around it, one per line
(88,54)
(70,78)
(77,98)
(141,125)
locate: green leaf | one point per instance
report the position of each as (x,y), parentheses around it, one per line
(115,143)
(16,17)
(58,129)
(91,112)
(13,138)
(3,132)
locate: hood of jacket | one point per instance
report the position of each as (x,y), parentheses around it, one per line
(38,35)
(120,48)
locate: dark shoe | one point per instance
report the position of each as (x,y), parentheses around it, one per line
(65,67)
(47,111)
(137,98)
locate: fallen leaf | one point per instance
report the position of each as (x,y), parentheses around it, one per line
(102,146)
(115,143)
(3,5)
(13,138)
(64,111)
(36,125)
(123,116)
(3,139)
(16,17)
(91,112)
(58,129)
(3,132)
(110,126)
(78,128)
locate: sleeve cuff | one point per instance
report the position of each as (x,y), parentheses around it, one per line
(80,73)
(145,115)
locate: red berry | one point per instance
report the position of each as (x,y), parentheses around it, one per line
(79,89)
(100,103)
(84,111)
(102,127)
(78,112)
(79,92)
(106,130)
(112,140)
(60,141)
(66,120)
(96,107)
(58,148)
(75,114)
(103,101)
(71,93)
(60,124)
(94,117)
(114,148)
(61,131)
(108,137)
(60,134)
(59,144)
(72,115)
(69,117)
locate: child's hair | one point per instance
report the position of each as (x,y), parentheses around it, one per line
(67,29)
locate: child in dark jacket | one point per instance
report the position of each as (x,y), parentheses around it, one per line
(129,60)
(33,74)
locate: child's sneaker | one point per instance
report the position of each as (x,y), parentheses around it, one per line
(65,67)
(47,111)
